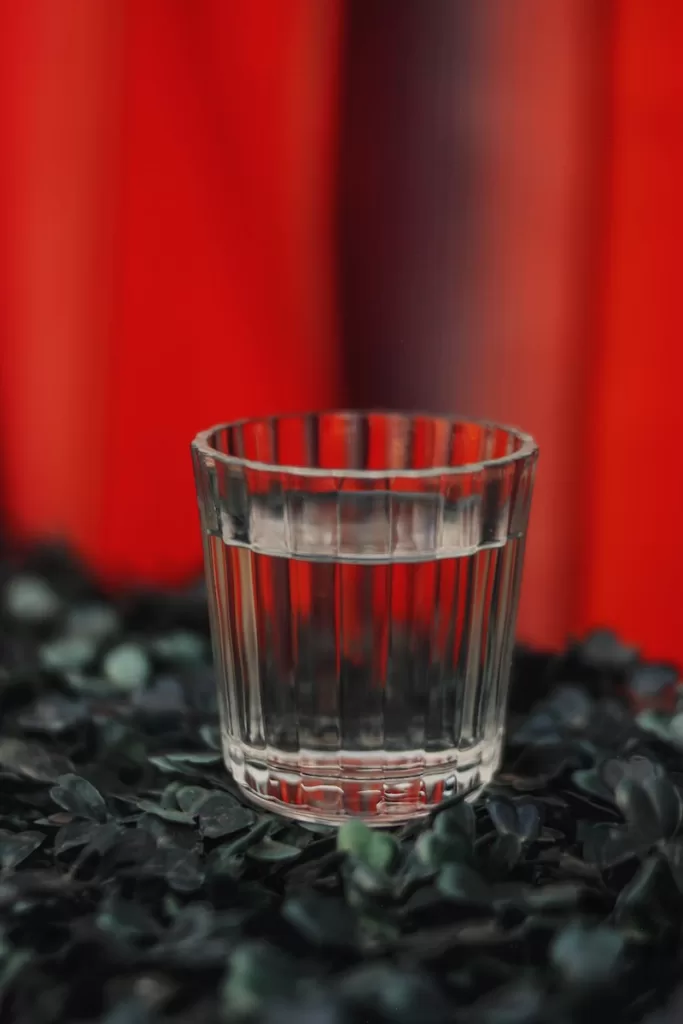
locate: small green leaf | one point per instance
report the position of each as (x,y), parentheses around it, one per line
(102,838)
(553,896)
(673,852)
(31,761)
(257,974)
(191,798)
(323,921)
(587,956)
(567,709)
(79,797)
(167,813)
(456,821)
(72,836)
(363,883)
(354,837)
(387,992)
(270,851)
(124,920)
(131,1010)
(382,853)
(378,850)
(53,715)
(17,846)
(94,621)
(12,966)
(666,800)
(183,871)
(637,768)
(68,654)
(603,650)
(168,797)
(31,599)
(640,815)
(179,647)
(211,736)
(607,845)
(194,757)
(221,815)
(588,780)
(668,729)
(191,925)
(226,860)
(462,884)
(504,853)
(650,902)
(651,808)
(434,850)
(520,819)
(126,666)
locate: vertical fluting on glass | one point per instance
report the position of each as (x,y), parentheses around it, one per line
(362,586)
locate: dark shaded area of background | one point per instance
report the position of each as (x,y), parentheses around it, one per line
(406,196)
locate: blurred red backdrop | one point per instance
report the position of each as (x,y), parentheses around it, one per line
(169,259)
(170,191)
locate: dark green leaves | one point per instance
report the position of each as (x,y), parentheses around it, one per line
(136,884)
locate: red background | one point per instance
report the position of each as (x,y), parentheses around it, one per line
(169,189)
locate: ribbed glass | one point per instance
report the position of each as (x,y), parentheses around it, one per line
(363,574)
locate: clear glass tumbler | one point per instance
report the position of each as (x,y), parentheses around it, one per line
(363,574)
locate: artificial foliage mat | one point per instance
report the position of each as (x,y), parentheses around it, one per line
(137,885)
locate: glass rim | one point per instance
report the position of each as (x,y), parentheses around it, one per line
(527,446)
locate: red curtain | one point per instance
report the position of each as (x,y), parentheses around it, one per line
(633,568)
(169,258)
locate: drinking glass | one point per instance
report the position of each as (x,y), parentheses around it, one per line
(363,575)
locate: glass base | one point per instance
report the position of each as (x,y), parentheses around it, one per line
(382,789)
